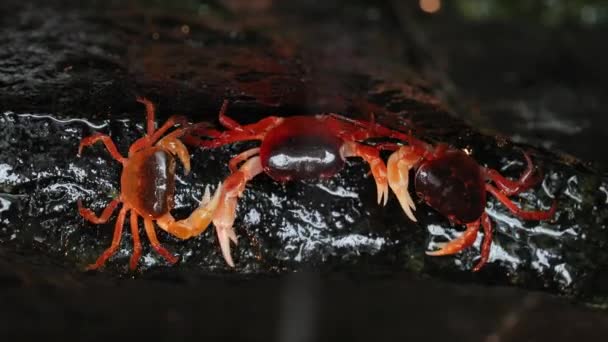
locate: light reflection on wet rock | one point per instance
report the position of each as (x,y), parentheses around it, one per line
(283,227)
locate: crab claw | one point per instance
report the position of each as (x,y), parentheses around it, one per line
(383,194)
(223,221)
(399,164)
(177,148)
(198,221)
(233,188)
(379,172)
(203,215)
(378,169)
(225,234)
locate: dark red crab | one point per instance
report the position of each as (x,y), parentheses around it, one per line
(292,148)
(452,183)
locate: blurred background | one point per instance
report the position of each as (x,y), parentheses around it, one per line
(523,66)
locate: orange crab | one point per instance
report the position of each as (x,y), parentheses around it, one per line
(147,188)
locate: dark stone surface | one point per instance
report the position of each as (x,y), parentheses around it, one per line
(43,299)
(69,70)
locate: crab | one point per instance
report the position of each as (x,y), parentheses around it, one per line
(311,147)
(147,188)
(292,148)
(454,184)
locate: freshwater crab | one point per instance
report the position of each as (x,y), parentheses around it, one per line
(147,188)
(309,147)
(453,184)
(292,148)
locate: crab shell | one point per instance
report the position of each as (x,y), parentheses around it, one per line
(453,185)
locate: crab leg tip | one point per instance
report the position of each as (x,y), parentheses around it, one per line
(232,237)
(227,256)
(206,197)
(224,238)
(438,252)
(385,195)
(441,251)
(382,191)
(407,204)
(408,212)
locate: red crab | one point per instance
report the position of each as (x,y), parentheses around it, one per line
(147,187)
(452,183)
(309,147)
(292,148)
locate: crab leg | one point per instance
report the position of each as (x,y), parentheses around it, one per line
(236,132)
(90,216)
(150,112)
(372,156)
(136,241)
(526,215)
(362,130)
(233,164)
(255,129)
(349,129)
(227,121)
(487,242)
(465,240)
(107,141)
(115,240)
(233,188)
(197,222)
(225,138)
(509,187)
(149,227)
(399,164)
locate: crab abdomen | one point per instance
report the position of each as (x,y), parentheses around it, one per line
(301,148)
(148,182)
